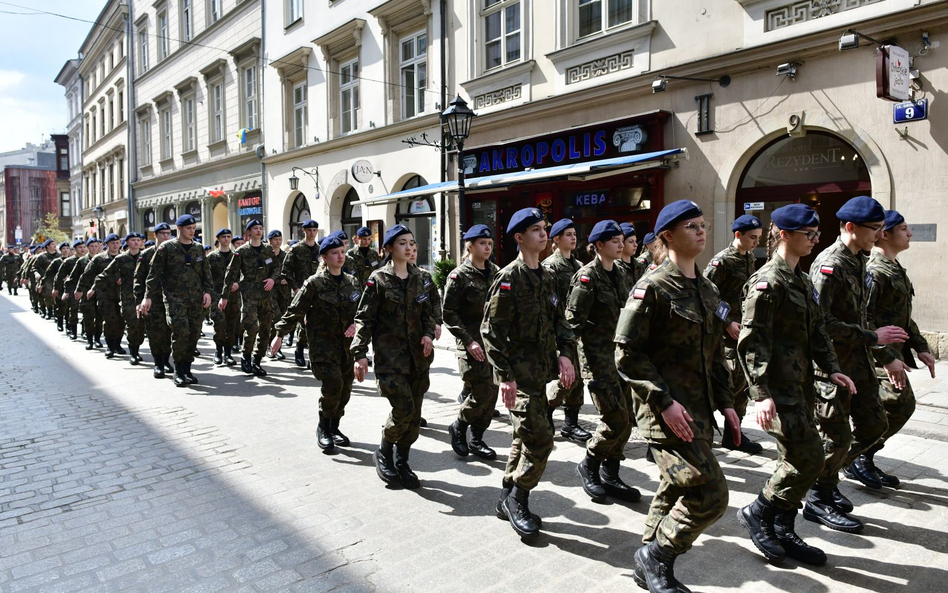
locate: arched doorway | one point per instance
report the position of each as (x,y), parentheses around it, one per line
(299,213)
(820,170)
(351,213)
(419,216)
(220,214)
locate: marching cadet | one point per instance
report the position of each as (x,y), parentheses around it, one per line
(253,270)
(670,348)
(843,283)
(179,273)
(890,303)
(564,265)
(63,293)
(395,316)
(281,291)
(3,263)
(45,257)
(91,319)
(365,260)
(156,323)
(326,302)
(9,265)
(118,280)
(106,300)
(527,343)
(302,262)
(630,244)
(782,335)
(729,270)
(434,300)
(71,287)
(464,296)
(49,288)
(226,322)
(646,259)
(597,293)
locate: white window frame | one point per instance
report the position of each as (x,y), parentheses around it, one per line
(188,137)
(216,106)
(163,41)
(604,26)
(65,204)
(501,6)
(166,124)
(300,113)
(120,166)
(142,50)
(187,20)
(214,11)
(293,9)
(418,105)
(121,106)
(111,114)
(350,68)
(249,89)
(145,129)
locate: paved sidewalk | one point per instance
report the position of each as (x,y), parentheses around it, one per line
(111,481)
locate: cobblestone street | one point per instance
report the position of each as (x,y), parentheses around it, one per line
(113,481)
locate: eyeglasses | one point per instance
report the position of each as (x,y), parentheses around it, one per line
(810,235)
(874,228)
(694,226)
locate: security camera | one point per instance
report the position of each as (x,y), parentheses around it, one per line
(659,85)
(848,41)
(788,69)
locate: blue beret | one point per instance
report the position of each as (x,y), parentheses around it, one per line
(893,219)
(478,231)
(130,236)
(46,243)
(794,217)
(162,226)
(223,231)
(649,239)
(252,223)
(523,219)
(207,248)
(391,234)
(91,240)
(332,242)
(309,223)
(605,230)
(185,220)
(294,242)
(111,237)
(560,226)
(149,243)
(342,235)
(75,243)
(363,231)
(64,244)
(861,209)
(674,212)
(274,234)
(745,223)
(628,229)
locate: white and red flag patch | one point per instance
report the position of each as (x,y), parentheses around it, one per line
(825,269)
(505,285)
(763,286)
(639,294)
(584,279)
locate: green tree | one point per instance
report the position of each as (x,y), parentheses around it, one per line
(49,229)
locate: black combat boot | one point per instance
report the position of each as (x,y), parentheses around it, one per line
(118,347)
(179,379)
(458,432)
(758,519)
(323,436)
(98,340)
(405,475)
(299,357)
(792,543)
(159,371)
(747,446)
(219,355)
(59,323)
(841,502)
(887,479)
(91,345)
(289,338)
(192,380)
(549,416)
(257,369)
(245,365)
(478,447)
(571,430)
(465,391)
(340,439)
(517,505)
(613,484)
(110,345)
(588,470)
(820,508)
(197,352)
(384,465)
(167,360)
(655,570)
(133,357)
(863,470)
(501,509)
(228,359)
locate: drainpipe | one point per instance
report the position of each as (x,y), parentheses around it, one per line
(131,155)
(443,40)
(263,153)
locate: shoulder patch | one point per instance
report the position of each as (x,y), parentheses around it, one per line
(826,269)
(639,292)
(370,282)
(763,286)
(584,279)
(505,285)
(723,311)
(453,275)
(715,262)
(652,266)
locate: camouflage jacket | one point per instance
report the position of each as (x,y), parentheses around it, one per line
(644,259)
(42,263)
(7,262)
(250,268)
(119,278)
(364,264)
(394,314)
(890,303)
(465,293)
(524,329)
(95,267)
(141,275)
(563,271)
(592,311)
(729,270)
(301,262)
(279,289)
(179,273)
(670,347)
(26,270)
(69,264)
(329,306)
(434,295)
(633,271)
(843,283)
(218,261)
(72,281)
(782,335)
(49,276)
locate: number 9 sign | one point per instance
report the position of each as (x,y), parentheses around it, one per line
(910,111)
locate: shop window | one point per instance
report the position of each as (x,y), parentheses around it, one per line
(299,213)
(419,216)
(501,26)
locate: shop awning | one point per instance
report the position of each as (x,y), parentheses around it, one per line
(578,171)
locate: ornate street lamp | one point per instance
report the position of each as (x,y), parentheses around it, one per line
(98,211)
(456,123)
(295,181)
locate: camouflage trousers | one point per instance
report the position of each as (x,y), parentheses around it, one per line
(226,323)
(477,409)
(72,311)
(532,438)
(843,442)
(256,315)
(692,494)
(405,393)
(799,456)
(184,318)
(113,325)
(557,395)
(134,327)
(156,327)
(738,383)
(335,388)
(613,399)
(899,405)
(91,320)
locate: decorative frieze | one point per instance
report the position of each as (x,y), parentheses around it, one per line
(600,67)
(808,10)
(504,95)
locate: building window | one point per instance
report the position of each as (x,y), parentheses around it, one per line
(146,141)
(111,181)
(94,128)
(596,16)
(250,97)
(163,36)
(65,204)
(299,213)
(414,74)
(299,114)
(143,51)
(501,32)
(111,114)
(188,118)
(349,96)
(187,20)
(214,10)
(102,120)
(121,106)
(217,112)
(102,185)
(85,137)
(165,119)
(63,159)
(294,11)
(121,179)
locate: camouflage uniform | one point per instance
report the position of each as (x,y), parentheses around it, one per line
(395,314)
(363,263)
(226,322)
(645,260)
(302,261)
(53,304)
(563,271)
(729,271)
(464,296)
(42,262)
(107,305)
(524,332)
(592,311)
(156,322)
(69,305)
(281,292)
(11,263)
(633,271)
(250,268)
(843,284)
(179,273)
(71,286)
(91,318)
(890,303)
(327,305)
(119,278)
(670,347)
(782,335)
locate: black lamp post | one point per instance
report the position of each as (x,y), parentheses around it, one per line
(295,181)
(98,211)
(456,121)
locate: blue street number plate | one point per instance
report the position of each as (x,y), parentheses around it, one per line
(910,111)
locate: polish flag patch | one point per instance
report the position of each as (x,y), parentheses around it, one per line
(505,285)
(584,279)
(370,282)
(639,294)
(653,266)
(715,263)
(453,276)
(828,270)
(763,285)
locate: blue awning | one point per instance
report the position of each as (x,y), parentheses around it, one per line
(578,171)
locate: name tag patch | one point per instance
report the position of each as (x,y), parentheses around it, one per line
(373,263)
(554,300)
(722,311)
(869,279)
(268,261)
(816,296)
(354,296)
(422,297)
